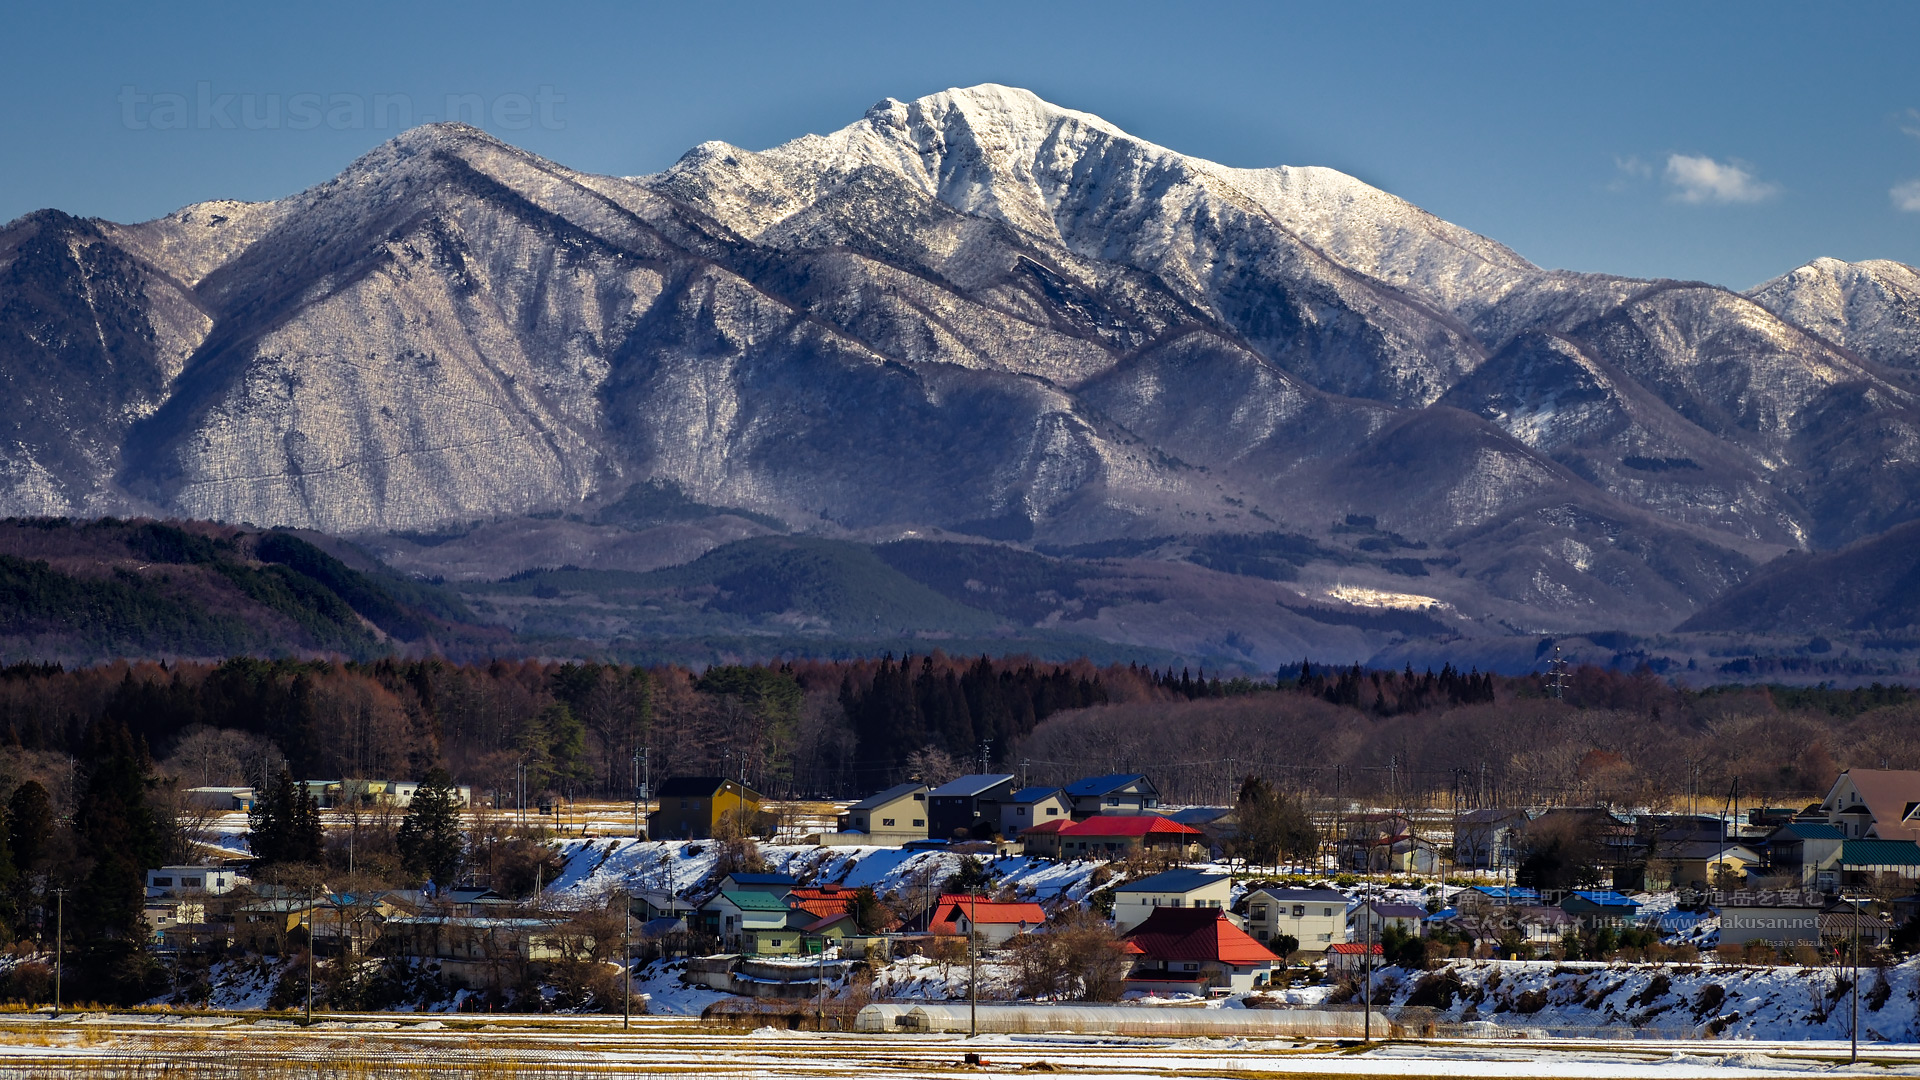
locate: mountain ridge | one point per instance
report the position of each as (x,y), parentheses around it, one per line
(972,311)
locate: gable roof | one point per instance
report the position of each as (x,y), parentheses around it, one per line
(1194,934)
(822,900)
(971,784)
(1100,785)
(753,901)
(1051,825)
(1605,898)
(763,879)
(1200,815)
(1355,948)
(826,922)
(1807,830)
(1398,911)
(1303,896)
(698,787)
(1182,880)
(1889,794)
(984,912)
(1880,853)
(897,791)
(1508,893)
(1129,825)
(1033,794)
(1711,850)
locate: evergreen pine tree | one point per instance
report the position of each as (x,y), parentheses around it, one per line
(29,827)
(121,834)
(431,844)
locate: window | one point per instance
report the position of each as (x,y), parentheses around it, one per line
(1113,800)
(886,822)
(774,942)
(1177,902)
(683,804)
(1053,811)
(1326,937)
(1259,912)
(1020,811)
(919,823)
(190,882)
(1299,911)
(162,882)
(1190,967)
(919,796)
(1328,912)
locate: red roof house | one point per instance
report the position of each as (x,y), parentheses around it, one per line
(1120,835)
(1045,838)
(958,913)
(1194,951)
(822,901)
(1352,955)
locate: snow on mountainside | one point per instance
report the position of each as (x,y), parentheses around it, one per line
(977,312)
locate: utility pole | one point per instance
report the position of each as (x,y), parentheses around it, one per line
(986,745)
(1853,1051)
(59,942)
(1366,1004)
(972,967)
(626,961)
(310,948)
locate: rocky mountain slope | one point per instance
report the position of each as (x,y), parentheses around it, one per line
(975,312)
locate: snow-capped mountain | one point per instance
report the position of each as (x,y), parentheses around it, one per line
(975,311)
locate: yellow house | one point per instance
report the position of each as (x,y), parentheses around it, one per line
(691,807)
(1705,865)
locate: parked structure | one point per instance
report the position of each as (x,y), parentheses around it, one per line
(176,880)
(222,799)
(1596,909)
(1350,957)
(1864,862)
(1136,901)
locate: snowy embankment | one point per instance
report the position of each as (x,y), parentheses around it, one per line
(1677,1000)
(597,867)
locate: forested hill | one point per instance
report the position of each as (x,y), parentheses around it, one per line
(76,592)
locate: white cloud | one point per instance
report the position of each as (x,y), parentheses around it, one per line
(1704,180)
(1633,166)
(1907,196)
(1910,123)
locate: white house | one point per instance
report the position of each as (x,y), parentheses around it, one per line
(890,818)
(175,880)
(1136,901)
(1315,918)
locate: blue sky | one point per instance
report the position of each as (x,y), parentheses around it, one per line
(1722,142)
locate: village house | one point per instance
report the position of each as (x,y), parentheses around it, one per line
(1807,853)
(1136,900)
(1597,909)
(481,950)
(1868,862)
(1702,865)
(1045,840)
(1120,837)
(773,884)
(1372,917)
(179,880)
(996,923)
(223,800)
(955,807)
(1032,806)
(1841,923)
(1350,957)
(820,900)
(692,808)
(1385,844)
(1314,918)
(1487,839)
(890,818)
(1790,917)
(754,923)
(1113,794)
(1875,804)
(1195,951)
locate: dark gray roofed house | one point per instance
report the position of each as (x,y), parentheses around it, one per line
(1115,793)
(956,806)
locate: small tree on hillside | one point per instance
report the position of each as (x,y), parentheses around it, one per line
(430,841)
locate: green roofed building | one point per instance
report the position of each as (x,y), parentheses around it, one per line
(1866,860)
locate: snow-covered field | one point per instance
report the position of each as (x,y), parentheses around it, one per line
(86,1046)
